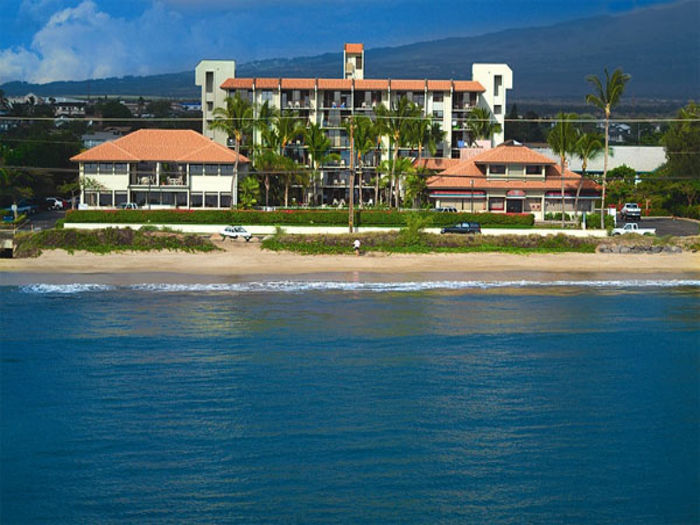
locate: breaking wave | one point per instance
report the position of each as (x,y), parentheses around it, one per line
(291,286)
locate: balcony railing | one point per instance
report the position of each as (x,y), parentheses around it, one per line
(146,180)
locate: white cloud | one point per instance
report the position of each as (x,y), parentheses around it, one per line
(83,42)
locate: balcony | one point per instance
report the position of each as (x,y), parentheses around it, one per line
(178,181)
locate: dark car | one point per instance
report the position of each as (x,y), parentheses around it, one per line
(463,227)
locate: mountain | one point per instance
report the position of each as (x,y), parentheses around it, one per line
(658,46)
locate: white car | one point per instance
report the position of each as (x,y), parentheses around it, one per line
(235,232)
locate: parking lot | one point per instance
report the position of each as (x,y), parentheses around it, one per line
(675,227)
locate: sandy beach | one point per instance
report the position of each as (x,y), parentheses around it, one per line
(243,260)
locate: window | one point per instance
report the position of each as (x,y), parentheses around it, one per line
(211,169)
(438,96)
(180,198)
(267,95)
(211,200)
(196,200)
(497,169)
(358,62)
(225,200)
(90,168)
(210,106)
(106,198)
(119,197)
(91,198)
(438,113)
(196,169)
(497,109)
(227,169)
(105,168)
(209,81)
(533,170)
(497,82)
(120,168)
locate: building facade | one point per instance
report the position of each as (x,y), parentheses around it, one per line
(512,178)
(329,102)
(158,168)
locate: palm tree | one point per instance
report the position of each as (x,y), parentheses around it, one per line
(364,140)
(236,120)
(606,97)
(288,126)
(396,124)
(267,158)
(588,147)
(318,147)
(562,139)
(480,125)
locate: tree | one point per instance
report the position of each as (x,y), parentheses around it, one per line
(396,124)
(364,140)
(318,147)
(288,126)
(15,185)
(236,120)
(480,125)
(682,143)
(562,139)
(249,189)
(606,97)
(588,147)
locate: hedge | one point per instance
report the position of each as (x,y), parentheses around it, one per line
(291,217)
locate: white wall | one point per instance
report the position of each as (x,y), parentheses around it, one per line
(221,70)
(486,75)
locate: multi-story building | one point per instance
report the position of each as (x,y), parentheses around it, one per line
(159,168)
(330,101)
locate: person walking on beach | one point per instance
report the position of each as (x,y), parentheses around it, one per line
(356,246)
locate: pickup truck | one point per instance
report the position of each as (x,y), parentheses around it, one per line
(631,211)
(633,227)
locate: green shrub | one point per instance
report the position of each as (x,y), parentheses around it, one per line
(557,216)
(107,240)
(593,221)
(371,217)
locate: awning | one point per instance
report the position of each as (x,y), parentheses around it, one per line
(515,194)
(458,195)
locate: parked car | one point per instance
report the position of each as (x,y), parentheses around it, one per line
(128,206)
(631,211)
(463,227)
(234,232)
(446,209)
(55,203)
(633,227)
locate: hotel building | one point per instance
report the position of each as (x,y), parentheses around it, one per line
(330,101)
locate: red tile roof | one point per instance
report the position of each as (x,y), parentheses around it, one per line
(439,85)
(335,83)
(237,83)
(436,164)
(354,48)
(152,145)
(407,85)
(298,83)
(468,85)
(503,154)
(267,83)
(372,83)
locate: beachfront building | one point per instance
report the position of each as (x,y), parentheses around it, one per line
(511,178)
(329,102)
(159,168)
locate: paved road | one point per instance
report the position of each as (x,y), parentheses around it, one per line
(44,220)
(677,227)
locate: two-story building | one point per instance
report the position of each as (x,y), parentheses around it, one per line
(511,178)
(159,168)
(329,102)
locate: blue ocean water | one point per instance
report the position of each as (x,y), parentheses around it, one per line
(426,402)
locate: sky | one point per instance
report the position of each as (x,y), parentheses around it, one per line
(47,40)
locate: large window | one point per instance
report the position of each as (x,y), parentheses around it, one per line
(497,169)
(533,170)
(227,169)
(211,200)
(106,168)
(195,200)
(90,168)
(196,169)
(120,168)
(106,199)
(225,200)
(211,169)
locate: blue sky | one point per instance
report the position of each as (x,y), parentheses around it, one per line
(46,40)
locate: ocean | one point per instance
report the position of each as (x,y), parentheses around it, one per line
(350,401)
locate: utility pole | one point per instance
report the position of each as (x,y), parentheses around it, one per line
(351,200)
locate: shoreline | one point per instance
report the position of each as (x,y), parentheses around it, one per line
(243,261)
